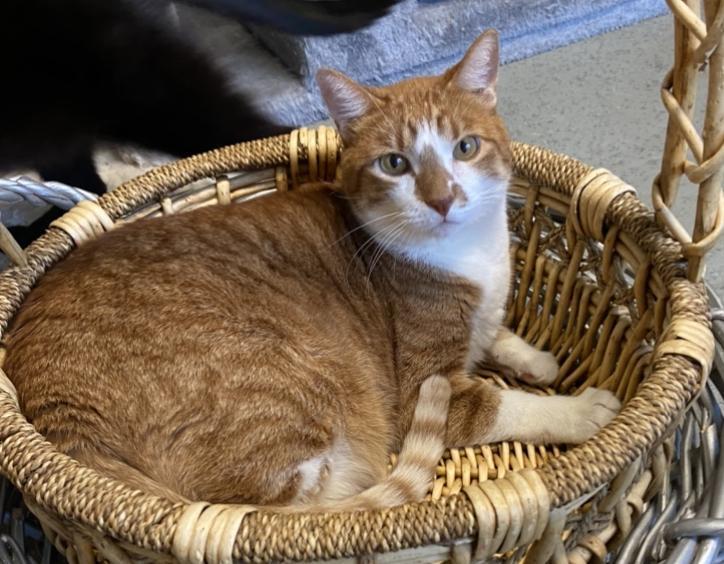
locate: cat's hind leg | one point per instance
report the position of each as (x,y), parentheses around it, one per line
(337,473)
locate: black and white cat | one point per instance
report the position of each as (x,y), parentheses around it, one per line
(75,73)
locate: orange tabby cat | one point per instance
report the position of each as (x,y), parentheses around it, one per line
(273,352)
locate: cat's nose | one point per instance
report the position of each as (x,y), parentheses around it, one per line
(441,205)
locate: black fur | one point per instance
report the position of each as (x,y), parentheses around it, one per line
(82,71)
(79,72)
(303,17)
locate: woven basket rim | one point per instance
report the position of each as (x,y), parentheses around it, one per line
(80,494)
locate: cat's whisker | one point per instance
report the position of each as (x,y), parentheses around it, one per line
(381,236)
(371,221)
(349,198)
(383,246)
(405,240)
(379,251)
(370,240)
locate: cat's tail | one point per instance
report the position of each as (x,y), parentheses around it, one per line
(422,449)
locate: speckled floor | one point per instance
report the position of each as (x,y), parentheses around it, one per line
(599,101)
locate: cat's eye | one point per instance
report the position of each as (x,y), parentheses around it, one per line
(394,164)
(467,148)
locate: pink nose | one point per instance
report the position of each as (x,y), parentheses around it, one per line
(442,205)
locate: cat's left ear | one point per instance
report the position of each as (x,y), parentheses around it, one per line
(345,99)
(478,71)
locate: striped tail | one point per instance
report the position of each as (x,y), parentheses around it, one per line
(422,448)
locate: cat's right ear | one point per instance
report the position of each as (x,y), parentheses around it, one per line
(345,99)
(478,70)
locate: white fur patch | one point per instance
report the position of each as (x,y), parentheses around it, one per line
(348,474)
(310,472)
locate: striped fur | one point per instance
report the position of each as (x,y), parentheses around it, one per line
(423,447)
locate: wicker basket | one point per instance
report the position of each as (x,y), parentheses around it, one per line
(613,292)
(606,291)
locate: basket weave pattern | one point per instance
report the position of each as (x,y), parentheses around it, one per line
(597,281)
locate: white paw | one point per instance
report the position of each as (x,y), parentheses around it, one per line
(590,412)
(539,368)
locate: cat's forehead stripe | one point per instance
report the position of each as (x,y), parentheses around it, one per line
(429,138)
(430,159)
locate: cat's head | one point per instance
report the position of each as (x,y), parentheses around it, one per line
(427,155)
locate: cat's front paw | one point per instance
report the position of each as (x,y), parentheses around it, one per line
(591,411)
(539,368)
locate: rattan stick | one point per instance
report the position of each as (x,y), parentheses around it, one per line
(10,247)
(707,206)
(683,85)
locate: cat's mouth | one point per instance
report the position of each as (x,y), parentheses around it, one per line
(445,226)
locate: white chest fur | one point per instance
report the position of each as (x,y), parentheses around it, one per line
(480,254)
